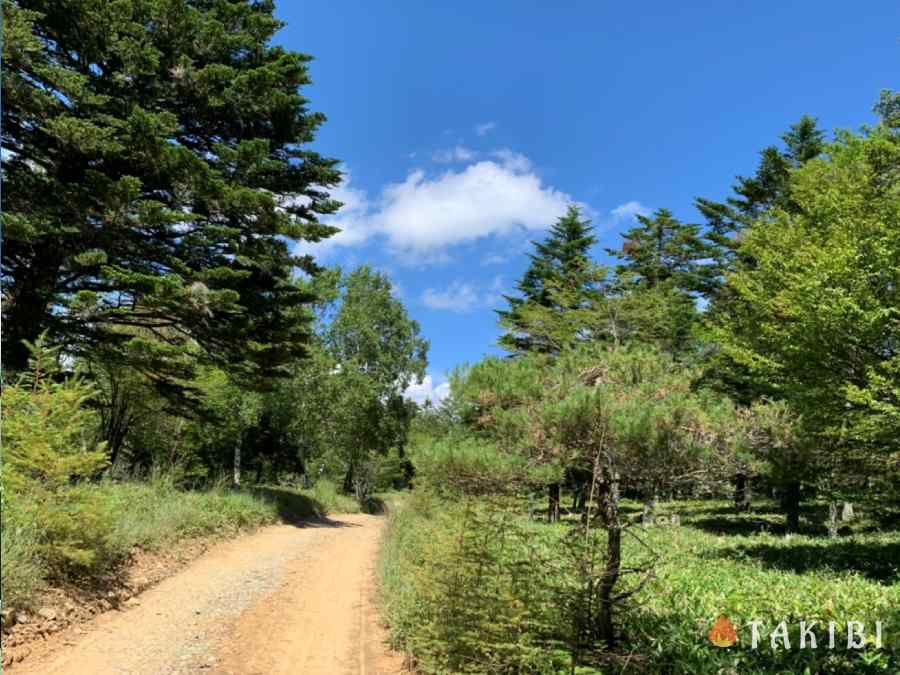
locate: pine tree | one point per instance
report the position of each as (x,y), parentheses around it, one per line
(661,249)
(155,174)
(769,187)
(560,278)
(665,266)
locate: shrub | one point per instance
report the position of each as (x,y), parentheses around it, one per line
(465,589)
(330,500)
(48,444)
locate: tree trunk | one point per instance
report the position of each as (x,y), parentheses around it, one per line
(649,510)
(553,503)
(792,505)
(832,519)
(348,480)
(847,512)
(237,461)
(610,510)
(741,492)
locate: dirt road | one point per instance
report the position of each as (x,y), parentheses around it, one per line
(287,600)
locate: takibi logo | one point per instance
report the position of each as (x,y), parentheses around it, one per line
(722,633)
(830,635)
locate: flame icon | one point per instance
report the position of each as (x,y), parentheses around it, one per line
(722,633)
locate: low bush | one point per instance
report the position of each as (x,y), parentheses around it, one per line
(466,591)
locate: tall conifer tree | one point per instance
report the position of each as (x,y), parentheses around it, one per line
(769,187)
(155,173)
(559,279)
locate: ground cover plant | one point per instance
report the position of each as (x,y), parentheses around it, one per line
(486,586)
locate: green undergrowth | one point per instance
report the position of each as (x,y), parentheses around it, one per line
(110,519)
(478,587)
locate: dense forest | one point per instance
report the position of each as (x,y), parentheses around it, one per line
(706,427)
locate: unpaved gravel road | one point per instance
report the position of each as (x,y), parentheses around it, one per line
(287,600)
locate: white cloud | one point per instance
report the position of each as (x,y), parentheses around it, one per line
(457,153)
(425,214)
(483,199)
(458,297)
(513,161)
(463,296)
(628,211)
(352,219)
(427,391)
(485,128)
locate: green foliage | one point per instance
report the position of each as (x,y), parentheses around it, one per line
(815,319)
(466,590)
(48,444)
(660,249)
(372,332)
(636,404)
(156,171)
(22,572)
(559,280)
(468,465)
(371,351)
(326,493)
(768,188)
(716,562)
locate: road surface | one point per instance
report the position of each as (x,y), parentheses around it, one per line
(287,600)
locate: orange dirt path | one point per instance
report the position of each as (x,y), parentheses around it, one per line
(286,600)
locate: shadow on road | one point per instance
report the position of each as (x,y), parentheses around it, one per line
(297,509)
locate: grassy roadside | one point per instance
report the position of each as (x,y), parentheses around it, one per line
(112,519)
(471,587)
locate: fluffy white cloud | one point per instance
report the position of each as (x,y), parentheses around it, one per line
(485,198)
(457,153)
(485,128)
(424,215)
(427,391)
(512,161)
(628,211)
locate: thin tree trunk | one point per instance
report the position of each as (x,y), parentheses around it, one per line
(609,496)
(847,512)
(237,461)
(649,510)
(792,505)
(832,519)
(553,503)
(741,492)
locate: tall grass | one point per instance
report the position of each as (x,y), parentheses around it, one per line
(116,518)
(21,570)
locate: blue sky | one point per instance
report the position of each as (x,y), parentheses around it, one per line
(466,127)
